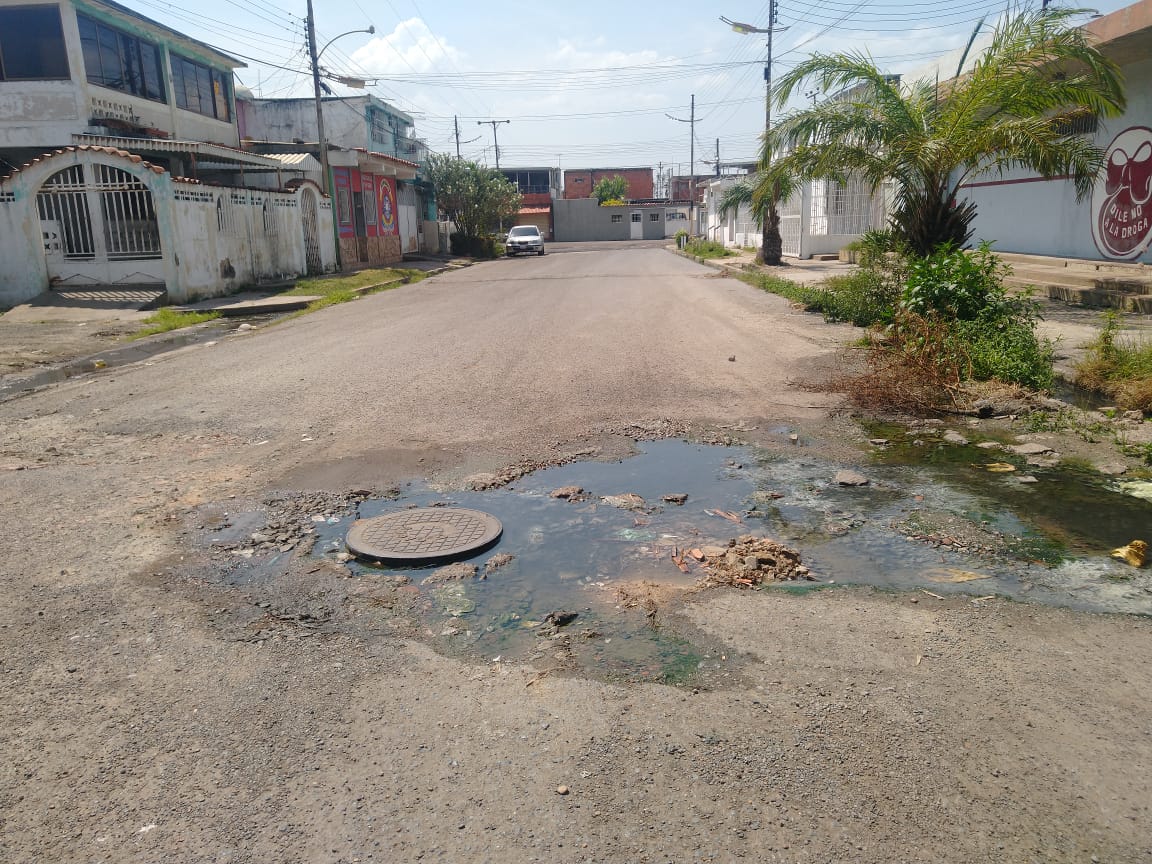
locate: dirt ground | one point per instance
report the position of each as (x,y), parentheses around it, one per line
(156,711)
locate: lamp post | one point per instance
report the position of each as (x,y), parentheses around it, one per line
(744,30)
(314,57)
(747,29)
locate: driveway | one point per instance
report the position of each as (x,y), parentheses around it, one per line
(161,702)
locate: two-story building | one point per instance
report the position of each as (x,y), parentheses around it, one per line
(538,187)
(120,162)
(382,205)
(579,182)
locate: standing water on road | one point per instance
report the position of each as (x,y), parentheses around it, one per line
(618,552)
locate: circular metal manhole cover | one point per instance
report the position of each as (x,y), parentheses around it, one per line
(423,533)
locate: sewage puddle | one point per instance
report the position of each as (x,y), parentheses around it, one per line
(932,517)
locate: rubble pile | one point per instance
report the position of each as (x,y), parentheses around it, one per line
(749,561)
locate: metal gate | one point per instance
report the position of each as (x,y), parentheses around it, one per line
(312,260)
(99,227)
(409,221)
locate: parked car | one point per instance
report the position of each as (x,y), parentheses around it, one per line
(524,238)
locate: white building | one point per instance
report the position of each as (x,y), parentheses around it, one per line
(820,219)
(112,127)
(1024,213)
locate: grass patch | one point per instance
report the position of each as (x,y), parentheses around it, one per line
(166,319)
(708,249)
(1122,368)
(326,285)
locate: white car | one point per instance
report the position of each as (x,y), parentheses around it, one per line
(524,238)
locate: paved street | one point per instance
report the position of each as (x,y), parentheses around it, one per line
(146,721)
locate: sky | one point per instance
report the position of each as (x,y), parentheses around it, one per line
(583,84)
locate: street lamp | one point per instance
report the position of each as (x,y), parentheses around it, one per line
(314,56)
(744,30)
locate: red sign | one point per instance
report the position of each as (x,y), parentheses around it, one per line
(1121,215)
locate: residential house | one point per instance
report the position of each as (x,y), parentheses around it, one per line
(820,219)
(579,182)
(584,219)
(1022,212)
(382,206)
(539,187)
(120,162)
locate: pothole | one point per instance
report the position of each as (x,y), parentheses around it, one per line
(595,558)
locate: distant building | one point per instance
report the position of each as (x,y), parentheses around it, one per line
(579,182)
(382,206)
(539,188)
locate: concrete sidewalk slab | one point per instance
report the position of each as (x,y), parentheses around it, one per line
(248,303)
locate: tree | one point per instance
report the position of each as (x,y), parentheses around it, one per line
(762,193)
(610,189)
(473,197)
(1038,79)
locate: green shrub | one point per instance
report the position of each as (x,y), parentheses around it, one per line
(702,248)
(956,283)
(475,247)
(1120,367)
(1005,347)
(864,298)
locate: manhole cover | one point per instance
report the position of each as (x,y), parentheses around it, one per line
(423,533)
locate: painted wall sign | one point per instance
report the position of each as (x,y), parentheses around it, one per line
(388,211)
(1121,209)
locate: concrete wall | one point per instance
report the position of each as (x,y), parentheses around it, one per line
(228,238)
(1021,212)
(45,114)
(578,183)
(578,220)
(213,240)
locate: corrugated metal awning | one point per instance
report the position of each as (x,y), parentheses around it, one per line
(228,157)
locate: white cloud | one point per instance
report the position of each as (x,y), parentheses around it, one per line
(410,47)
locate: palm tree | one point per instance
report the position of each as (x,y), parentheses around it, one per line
(762,193)
(1015,108)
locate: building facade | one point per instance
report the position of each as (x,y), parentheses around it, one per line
(579,182)
(1025,213)
(538,188)
(580,220)
(120,164)
(383,208)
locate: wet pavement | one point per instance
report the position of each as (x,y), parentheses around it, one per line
(612,547)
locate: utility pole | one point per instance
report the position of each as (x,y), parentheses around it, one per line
(456,124)
(717,157)
(322,141)
(691,163)
(495,141)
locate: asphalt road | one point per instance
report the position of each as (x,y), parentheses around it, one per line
(156,707)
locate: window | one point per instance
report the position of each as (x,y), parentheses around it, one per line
(637,217)
(617,217)
(370,205)
(119,61)
(32,44)
(343,205)
(200,89)
(1085,124)
(653,217)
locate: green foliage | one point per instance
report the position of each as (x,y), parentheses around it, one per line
(322,286)
(955,283)
(485,246)
(1005,347)
(610,189)
(1040,75)
(166,318)
(1118,366)
(681,234)
(613,202)
(476,199)
(701,248)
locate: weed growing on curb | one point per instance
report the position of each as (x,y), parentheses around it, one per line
(166,318)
